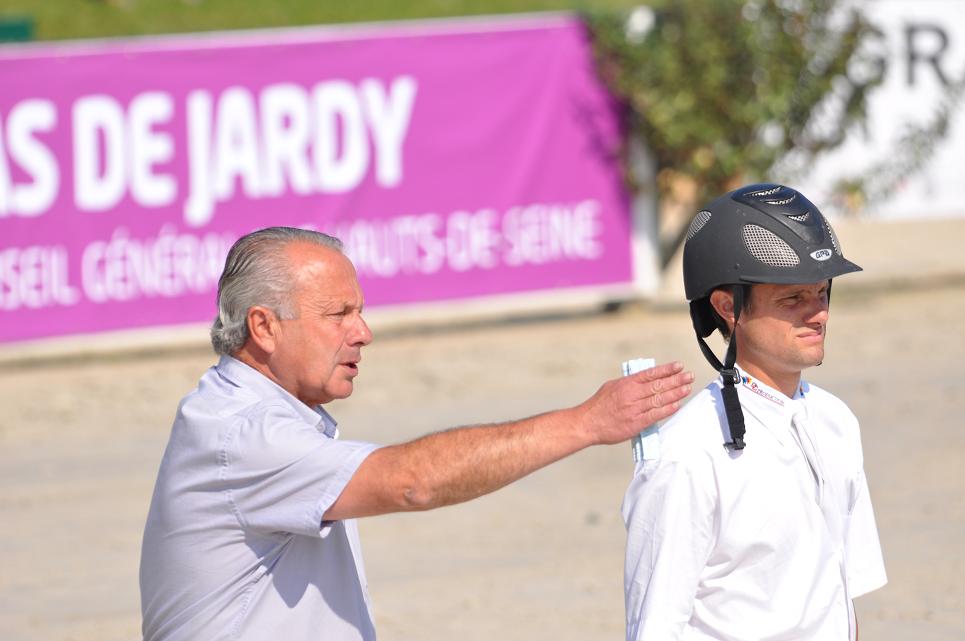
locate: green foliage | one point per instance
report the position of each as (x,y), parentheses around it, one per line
(721,91)
(60,19)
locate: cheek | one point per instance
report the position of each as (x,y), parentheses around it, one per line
(769,334)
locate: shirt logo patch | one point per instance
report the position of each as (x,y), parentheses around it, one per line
(752,385)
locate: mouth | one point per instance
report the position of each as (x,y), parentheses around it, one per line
(352,366)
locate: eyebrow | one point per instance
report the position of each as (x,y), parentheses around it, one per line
(334,304)
(803,290)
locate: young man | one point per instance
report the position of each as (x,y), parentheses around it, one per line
(750,518)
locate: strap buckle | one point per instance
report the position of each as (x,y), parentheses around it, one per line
(730,376)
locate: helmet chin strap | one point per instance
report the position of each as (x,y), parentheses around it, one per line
(830,281)
(729,375)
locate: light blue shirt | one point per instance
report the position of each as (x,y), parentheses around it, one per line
(234,546)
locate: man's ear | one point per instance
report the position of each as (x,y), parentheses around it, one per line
(722,301)
(262,328)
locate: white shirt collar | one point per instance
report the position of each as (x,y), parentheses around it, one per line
(242,375)
(771,407)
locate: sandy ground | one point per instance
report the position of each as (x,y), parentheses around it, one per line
(80,442)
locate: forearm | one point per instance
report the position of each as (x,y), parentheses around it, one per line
(461,464)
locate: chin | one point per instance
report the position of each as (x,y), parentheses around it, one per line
(343,391)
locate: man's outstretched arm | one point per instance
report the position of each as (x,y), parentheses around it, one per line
(463,463)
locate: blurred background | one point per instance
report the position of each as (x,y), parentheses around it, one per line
(513,181)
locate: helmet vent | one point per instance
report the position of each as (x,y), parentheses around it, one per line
(834,238)
(765,192)
(698,223)
(768,248)
(803,218)
(782,201)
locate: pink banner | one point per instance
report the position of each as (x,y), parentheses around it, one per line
(454,160)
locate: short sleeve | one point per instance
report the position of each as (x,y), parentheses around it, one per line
(865,566)
(282,474)
(669,512)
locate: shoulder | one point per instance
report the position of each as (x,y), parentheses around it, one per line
(824,404)
(272,430)
(834,425)
(238,399)
(690,450)
(689,446)
(214,398)
(223,414)
(696,427)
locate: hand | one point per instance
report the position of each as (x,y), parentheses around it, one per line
(623,407)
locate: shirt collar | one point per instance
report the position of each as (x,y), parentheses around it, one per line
(769,406)
(241,375)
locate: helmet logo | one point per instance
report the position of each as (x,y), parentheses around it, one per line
(821,254)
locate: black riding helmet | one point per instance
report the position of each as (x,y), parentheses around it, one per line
(762,233)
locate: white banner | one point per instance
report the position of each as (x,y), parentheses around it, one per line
(922,47)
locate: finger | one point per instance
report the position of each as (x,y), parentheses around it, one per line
(663,404)
(668,396)
(660,413)
(660,371)
(667,383)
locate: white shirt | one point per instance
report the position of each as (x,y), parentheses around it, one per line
(234,546)
(770,543)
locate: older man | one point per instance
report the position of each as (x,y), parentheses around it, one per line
(250,533)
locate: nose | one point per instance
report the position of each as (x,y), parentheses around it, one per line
(819,312)
(361,334)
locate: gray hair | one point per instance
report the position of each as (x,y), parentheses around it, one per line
(257,272)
